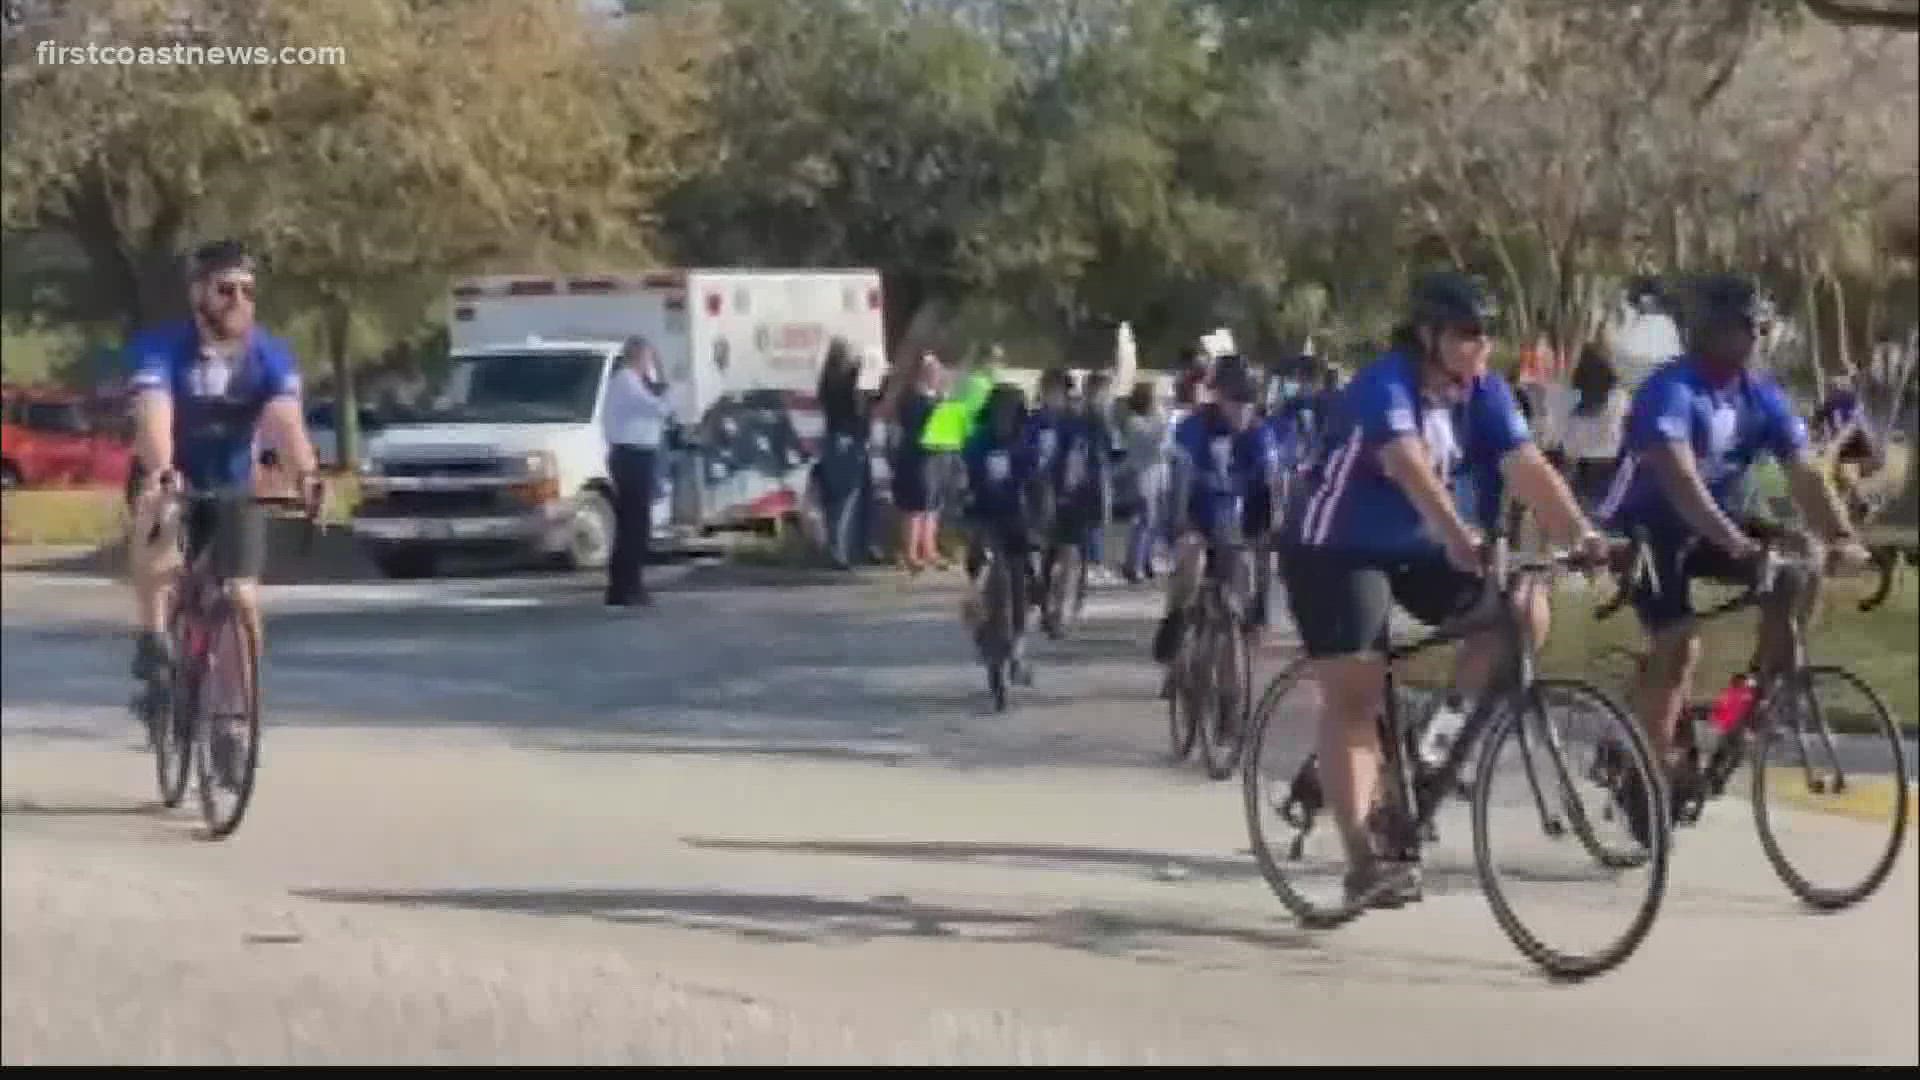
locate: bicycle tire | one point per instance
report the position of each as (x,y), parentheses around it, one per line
(1183,723)
(1563,965)
(1063,589)
(1223,734)
(1767,737)
(221,823)
(996,631)
(170,719)
(1614,858)
(1262,815)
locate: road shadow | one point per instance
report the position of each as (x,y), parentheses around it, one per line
(799,918)
(35,808)
(1442,873)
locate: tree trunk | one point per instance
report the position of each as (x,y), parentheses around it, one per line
(346,403)
(1842,350)
(1810,304)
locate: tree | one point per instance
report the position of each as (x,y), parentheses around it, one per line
(453,137)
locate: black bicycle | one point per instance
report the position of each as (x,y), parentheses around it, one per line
(204,715)
(996,616)
(1211,676)
(1824,719)
(1521,709)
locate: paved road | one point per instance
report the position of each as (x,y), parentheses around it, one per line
(772,824)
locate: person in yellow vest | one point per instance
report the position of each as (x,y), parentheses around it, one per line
(953,422)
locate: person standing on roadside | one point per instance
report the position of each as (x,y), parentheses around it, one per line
(634,421)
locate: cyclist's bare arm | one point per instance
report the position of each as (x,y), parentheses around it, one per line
(1539,486)
(1814,496)
(282,426)
(1679,479)
(1405,460)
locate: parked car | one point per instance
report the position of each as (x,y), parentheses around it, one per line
(57,438)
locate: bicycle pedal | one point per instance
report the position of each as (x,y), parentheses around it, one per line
(1555,828)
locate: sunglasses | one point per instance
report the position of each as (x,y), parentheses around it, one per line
(228,290)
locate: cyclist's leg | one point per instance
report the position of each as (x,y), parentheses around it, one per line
(1664,606)
(238,530)
(154,564)
(1341,607)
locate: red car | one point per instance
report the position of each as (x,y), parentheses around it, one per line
(55,438)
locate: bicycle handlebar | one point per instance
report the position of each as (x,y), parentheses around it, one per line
(1637,567)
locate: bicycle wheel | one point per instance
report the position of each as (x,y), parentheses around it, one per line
(1289,825)
(1185,715)
(1223,731)
(1566,703)
(994,636)
(1537,812)
(227,722)
(168,708)
(1839,755)
(1063,590)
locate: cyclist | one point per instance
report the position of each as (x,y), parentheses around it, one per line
(1062,443)
(1226,468)
(1695,427)
(205,389)
(1001,465)
(1375,524)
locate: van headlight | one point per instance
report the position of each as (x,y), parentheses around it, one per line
(538,482)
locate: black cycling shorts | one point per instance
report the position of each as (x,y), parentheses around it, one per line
(232,526)
(1678,560)
(1341,600)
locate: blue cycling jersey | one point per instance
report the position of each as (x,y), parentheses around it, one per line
(1349,503)
(1063,446)
(217,402)
(1726,427)
(1229,473)
(997,477)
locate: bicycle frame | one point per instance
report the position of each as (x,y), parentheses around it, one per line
(1417,798)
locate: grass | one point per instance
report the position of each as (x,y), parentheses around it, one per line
(1880,647)
(80,516)
(1868,798)
(97,517)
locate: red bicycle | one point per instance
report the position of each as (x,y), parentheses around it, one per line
(204,715)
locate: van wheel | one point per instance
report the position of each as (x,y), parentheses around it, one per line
(590,538)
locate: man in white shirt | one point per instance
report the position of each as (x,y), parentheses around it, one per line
(634,420)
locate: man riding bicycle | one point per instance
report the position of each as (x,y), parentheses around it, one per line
(1226,468)
(1065,450)
(1375,525)
(1695,427)
(206,390)
(1001,465)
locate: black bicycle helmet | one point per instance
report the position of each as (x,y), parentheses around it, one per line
(1728,299)
(1233,380)
(217,257)
(1448,298)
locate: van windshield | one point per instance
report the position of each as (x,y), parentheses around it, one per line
(520,388)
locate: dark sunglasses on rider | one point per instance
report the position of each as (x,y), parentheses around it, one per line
(228,290)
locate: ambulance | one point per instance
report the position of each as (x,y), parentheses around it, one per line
(509,457)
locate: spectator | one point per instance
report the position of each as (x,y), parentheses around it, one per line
(633,418)
(1595,425)
(843,458)
(1144,434)
(1105,436)
(916,488)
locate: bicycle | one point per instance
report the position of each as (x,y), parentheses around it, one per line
(173,707)
(1518,706)
(1790,701)
(1211,677)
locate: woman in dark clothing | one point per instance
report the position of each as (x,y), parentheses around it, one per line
(843,456)
(913,488)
